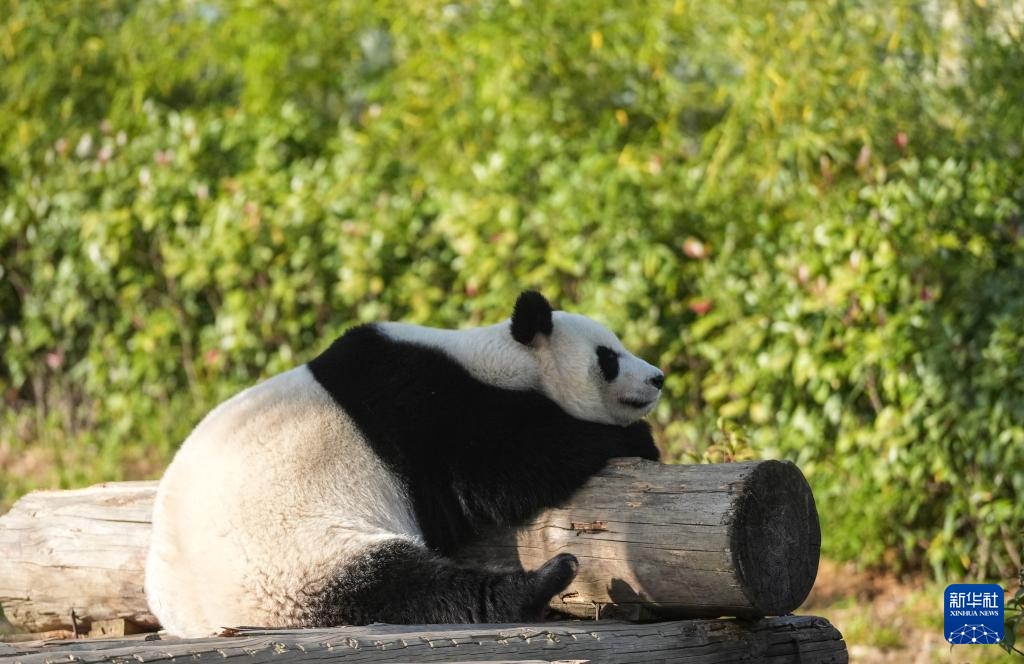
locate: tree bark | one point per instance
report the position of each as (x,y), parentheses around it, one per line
(791,639)
(654,542)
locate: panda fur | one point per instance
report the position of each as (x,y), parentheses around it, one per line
(334,493)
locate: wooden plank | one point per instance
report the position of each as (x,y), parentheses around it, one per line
(790,639)
(654,542)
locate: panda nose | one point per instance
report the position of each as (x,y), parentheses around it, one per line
(657,380)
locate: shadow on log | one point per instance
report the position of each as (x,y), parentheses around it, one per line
(654,542)
(792,639)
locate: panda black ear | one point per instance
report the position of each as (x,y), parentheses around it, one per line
(531,315)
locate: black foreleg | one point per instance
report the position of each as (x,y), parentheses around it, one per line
(402,583)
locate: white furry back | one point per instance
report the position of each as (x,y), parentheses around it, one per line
(271,494)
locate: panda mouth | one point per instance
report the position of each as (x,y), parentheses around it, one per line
(635,403)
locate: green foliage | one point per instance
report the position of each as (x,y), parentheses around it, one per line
(809,214)
(1014,618)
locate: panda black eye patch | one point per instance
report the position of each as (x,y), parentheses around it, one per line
(608,360)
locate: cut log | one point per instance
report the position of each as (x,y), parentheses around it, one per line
(792,639)
(659,541)
(654,541)
(81,551)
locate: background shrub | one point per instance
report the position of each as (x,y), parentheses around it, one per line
(809,214)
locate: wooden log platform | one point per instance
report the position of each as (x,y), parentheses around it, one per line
(654,542)
(786,640)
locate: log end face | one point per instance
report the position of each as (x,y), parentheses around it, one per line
(776,538)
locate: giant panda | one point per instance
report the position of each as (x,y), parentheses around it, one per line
(334,493)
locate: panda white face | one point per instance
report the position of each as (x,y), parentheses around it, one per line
(583,366)
(586,369)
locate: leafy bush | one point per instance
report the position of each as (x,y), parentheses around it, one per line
(810,215)
(1014,618)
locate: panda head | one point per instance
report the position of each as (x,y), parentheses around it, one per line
(583,366)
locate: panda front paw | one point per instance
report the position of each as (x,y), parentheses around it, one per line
(550,579)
